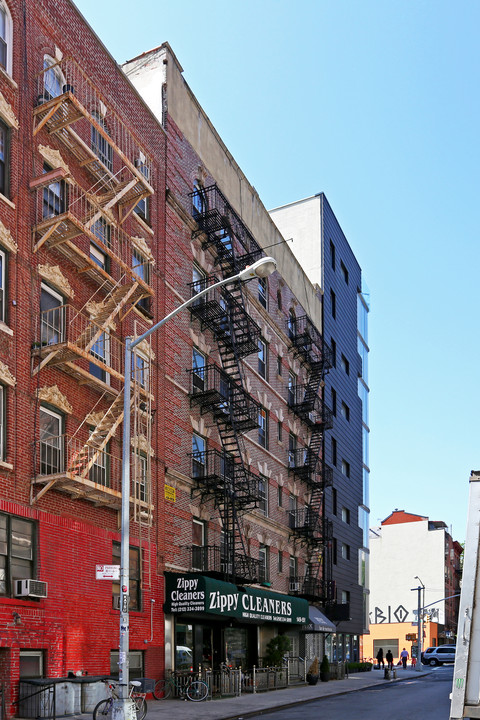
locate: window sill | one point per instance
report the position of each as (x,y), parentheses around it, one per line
(144,224)
(4,74)
(4,328)
(6,200)
(5,465)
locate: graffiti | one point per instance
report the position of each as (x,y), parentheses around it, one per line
(399,615)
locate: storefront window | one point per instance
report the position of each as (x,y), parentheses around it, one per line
(236,647)
(184,647)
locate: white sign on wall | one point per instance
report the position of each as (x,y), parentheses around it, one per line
(107,572)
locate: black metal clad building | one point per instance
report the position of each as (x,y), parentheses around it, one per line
(343,444)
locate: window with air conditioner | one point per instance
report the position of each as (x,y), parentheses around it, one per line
(17,552)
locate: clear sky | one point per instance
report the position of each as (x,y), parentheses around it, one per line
(376,103)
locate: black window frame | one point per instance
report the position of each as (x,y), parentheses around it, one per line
(5,160)
(135,598)
(9,579)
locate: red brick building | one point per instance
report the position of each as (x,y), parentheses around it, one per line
(111,215)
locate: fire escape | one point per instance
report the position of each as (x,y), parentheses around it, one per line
(86,228)
(309,524)
(224,475)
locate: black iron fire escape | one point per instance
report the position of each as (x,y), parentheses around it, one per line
(309,525)
(221,391)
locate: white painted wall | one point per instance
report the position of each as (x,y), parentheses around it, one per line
(302,221)
(397,554)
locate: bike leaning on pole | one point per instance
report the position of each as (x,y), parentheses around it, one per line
(104,709)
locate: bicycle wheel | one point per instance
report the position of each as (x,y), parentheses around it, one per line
(197,691)
(162,690)
(140,706)
(103,710)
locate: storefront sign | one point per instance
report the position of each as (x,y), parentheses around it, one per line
(200,594)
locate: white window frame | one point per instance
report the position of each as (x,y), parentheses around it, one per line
(60,445)
(7,37)
(262,358)
(58,334)
(3,289)
(263,494)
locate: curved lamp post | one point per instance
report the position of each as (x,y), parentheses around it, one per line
(123,706)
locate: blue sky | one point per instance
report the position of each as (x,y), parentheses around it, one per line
(376,103)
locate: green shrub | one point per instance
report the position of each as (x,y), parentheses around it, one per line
(275,650)
(353,667)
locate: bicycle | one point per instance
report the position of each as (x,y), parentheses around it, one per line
(194,690)
(104,709)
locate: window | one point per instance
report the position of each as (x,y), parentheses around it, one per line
(333,450)
(3,285)
(293,566)
(332,255)
(292,381)
(101,352)
(279,365)
(54,197)
(263,428)
(140,466)
(199,363)
(4,158)
(53,79)
(51,442)
(31,664)
(292,450)
(3,423)
(279,431)
(199,534)
(334,500)
(101,230)
(333,398)
(135,664)
(346,515)
(263,495)
(140,369)
(292,509)
(134,580)
(262,358)
(279,299)
(99,144)
(345,365)
(263,291)
(5,38)
(263,569)
(345,411)
(198,456)
(17,541)
(344,272)
(291,323)
(333,304)
(280,496)
(345,550)
(345,468)
(100,470)
(345,597)
(333,345)
(142,208)
(199,201)
(141,268)
(334,551)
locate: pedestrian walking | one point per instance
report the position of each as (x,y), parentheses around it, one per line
(389,659)
(404,658)
(380,660)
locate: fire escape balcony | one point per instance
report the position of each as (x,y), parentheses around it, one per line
(215,391)
(218,475)
(69,339)
(70,107)
(309,406)
(223,228)
(304,522)
(308,344)
(219,311)
(211,560)
(308,587)
(71,466)
(71,222)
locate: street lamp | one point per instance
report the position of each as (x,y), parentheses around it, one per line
(421,604)
(123,707)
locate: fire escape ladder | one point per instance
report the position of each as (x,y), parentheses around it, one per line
(81,462)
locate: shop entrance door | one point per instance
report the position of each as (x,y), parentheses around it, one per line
(236,647)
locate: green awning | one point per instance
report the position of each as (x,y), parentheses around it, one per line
(192,593)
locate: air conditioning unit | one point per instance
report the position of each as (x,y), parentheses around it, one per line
(30,588)
(312,416)
(294,587)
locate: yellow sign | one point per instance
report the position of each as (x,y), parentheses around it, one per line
(170,493)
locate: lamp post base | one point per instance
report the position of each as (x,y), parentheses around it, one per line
(124,709)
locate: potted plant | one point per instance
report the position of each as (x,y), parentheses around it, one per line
(312,674)
(325,669)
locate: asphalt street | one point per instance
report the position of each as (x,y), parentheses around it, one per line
(426,697)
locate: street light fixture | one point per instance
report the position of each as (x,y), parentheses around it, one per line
(123,707)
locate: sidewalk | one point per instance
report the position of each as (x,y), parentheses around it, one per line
(259,703)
